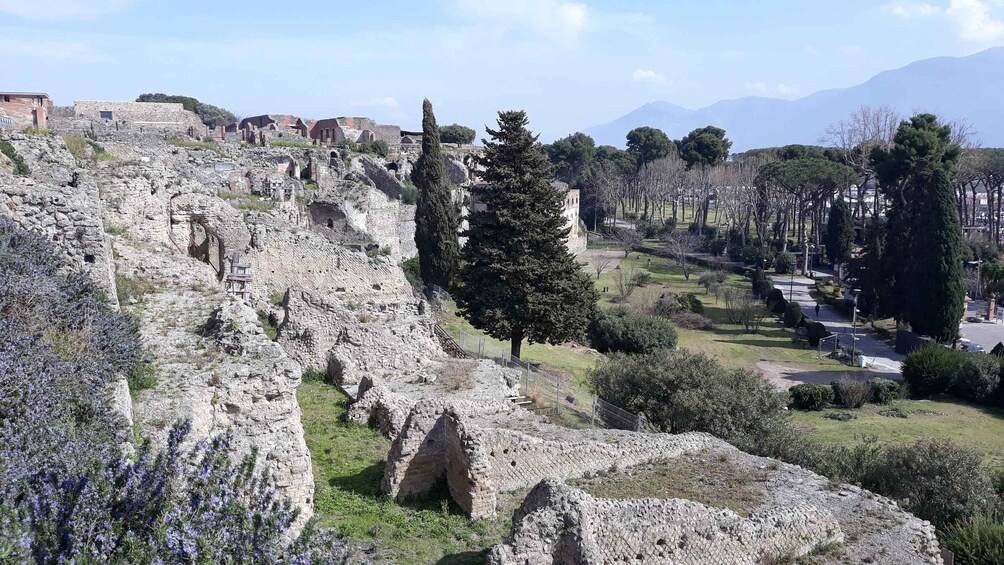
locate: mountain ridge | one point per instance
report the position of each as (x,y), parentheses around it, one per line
(952,87)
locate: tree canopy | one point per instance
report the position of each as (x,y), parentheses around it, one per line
(839,232)
(436,222)
(705,147)
(456,133)
(518,281)
(572,156)
(648,144)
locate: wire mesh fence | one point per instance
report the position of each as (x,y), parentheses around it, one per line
(551,393)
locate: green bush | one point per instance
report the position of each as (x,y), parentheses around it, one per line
(792,315)
(708,279)
(717,247)
(886,390)
(815,331)
(978,378)
(669,303)
(774,296)
(784,263)
(761,284)
(852,394)
(141,376)
(976,541)
(618,329)
(758,257)
(931,370)
(20,167)
(811,396)
(378,147)
(409,194)
(690,302)
(680,391)
(413,272)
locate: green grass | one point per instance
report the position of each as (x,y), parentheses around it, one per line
(246,201)
(190,144)
(292,144)
(979,427)
(727,342)
(348,465)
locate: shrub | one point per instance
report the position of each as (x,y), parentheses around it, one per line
(937,480)
(378,147)
(76,145)
(811,396)
(668,304)
(998,350)
(815,331)
(680,391)
(690,302)
(792,315)
(737,253)
(643,278)
(761,284)
(852,394)
(784,263)
(976,541)
(706,279)
(757,256)
(978,377)
(141,376)
(413,272)
(774,296)
(20,167)
(886,390)
(717,247)
(409,194)
(618,329)
(931,370)
(692,321)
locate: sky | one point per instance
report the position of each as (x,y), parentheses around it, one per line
(569,64)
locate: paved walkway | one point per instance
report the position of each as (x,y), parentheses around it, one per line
(879,356)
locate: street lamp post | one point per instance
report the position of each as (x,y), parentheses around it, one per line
(854,329)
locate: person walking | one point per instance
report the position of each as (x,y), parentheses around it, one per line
(817,309)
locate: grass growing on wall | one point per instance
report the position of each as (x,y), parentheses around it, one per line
(192,144)
(348,465)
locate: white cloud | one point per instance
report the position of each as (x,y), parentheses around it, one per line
(779,90)
(385,102)
(850,49)
(58,10)
(649,76)
(553,19)
(975,22)
(910,10)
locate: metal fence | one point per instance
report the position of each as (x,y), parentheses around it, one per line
(551,393)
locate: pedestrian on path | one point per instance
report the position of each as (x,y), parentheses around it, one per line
(817,309)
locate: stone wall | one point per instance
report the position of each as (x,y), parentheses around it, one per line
(558,524)
(151,114)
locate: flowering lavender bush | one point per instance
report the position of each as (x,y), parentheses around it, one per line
(67,492)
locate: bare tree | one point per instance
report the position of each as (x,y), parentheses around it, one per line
(600,263)
(626,280)
(868,127)
(681,244)
(628,238)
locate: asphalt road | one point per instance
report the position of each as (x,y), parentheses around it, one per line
(879,356)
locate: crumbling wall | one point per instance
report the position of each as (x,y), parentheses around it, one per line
(558,524)
(167,115)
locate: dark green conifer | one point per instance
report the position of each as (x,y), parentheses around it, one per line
(518,281)
(435,216)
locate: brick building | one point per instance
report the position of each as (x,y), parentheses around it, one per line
(284,123)
(24,109)
(332,131)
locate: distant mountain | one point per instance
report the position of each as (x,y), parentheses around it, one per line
(952,87)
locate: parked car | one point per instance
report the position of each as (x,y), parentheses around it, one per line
(968,346)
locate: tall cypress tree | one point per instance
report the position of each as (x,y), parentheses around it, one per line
(839,232)
(518,280)
(937,283)
(436,222)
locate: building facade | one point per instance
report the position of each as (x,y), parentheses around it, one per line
(24,109)
(332,131)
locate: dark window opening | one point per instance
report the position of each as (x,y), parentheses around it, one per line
(88,258)
(6,98)
(105,114)
(331,223)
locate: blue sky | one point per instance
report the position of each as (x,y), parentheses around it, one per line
(569,64)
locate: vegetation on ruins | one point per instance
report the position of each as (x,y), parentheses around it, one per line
(67,492)
(20,167)
(518,280)
(436,223)
(212,116)
(456,133)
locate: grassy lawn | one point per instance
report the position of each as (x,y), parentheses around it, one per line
(348,465)
(727,342)
(979,427)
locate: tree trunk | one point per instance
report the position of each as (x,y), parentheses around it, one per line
(517,343)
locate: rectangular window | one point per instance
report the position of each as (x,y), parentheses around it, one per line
(105,114)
